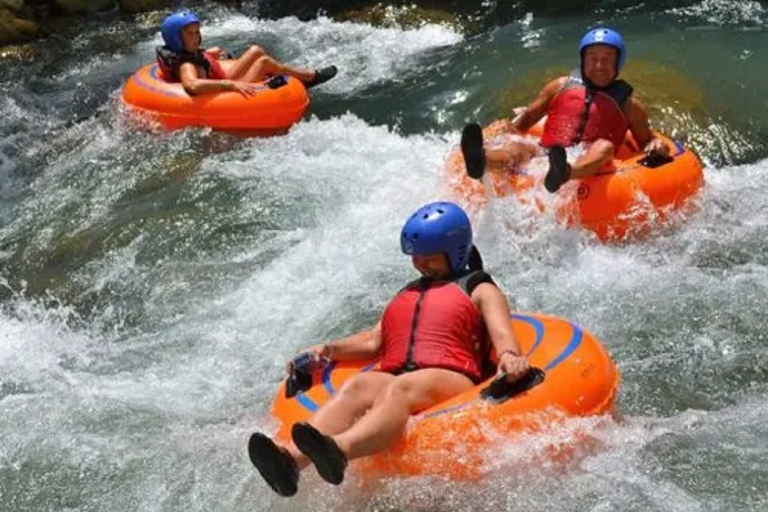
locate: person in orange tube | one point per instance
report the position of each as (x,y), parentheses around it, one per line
(591,105)
(182,59)
(433,341)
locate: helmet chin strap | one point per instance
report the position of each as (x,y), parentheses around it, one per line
(475,259)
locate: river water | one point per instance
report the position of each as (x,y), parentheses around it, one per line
(152,286)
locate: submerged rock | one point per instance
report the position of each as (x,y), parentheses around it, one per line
(409,16)
(12,5)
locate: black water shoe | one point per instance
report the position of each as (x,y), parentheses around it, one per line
(322,76)
(472,149)
(275,464)
(323,451)
(559,169)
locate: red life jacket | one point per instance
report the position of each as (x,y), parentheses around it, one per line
(170,62)
(215,72)
(583,113)
(435,324)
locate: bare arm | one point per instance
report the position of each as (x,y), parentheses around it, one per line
(538,107)
(363,345)
(193,84)
(641,130)
(495,310)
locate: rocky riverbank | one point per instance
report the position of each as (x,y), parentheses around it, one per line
(22,20)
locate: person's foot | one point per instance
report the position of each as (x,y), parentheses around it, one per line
(321,76)
(274,463)
(559,169)
(472,149)
(322,450)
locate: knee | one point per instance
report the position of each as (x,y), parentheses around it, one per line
(356,388)
(603,148)
(524,152)
(399,391)
(532,150)
(264,61)
(256,51)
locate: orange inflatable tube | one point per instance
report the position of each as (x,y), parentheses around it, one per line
(270,110)
(628,198)
(575,377)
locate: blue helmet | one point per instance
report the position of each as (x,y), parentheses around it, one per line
(171,29)
(440,227)
(608,37)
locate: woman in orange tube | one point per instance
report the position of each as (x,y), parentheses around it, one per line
(183,59)
(432,339)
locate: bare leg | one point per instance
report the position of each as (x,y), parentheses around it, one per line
(351,402)
(264,67)
(255,65)
(235,69)
(386,421)
(598,154)
(478,158)
(382,425)
(280,465)
(592,161)
(511,156)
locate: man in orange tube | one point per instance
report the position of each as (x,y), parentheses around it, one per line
(432,340)
(591,105)
(182,59)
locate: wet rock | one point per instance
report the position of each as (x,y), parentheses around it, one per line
(140,5)
(475,15)
(373,10)
(73,6)
(14,6)
(410,16)
(13,29)
(18,53)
